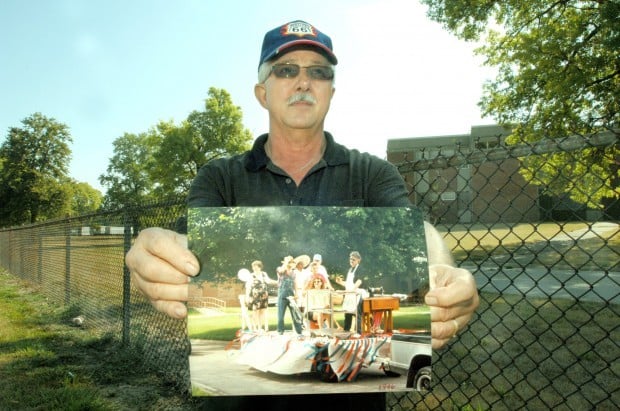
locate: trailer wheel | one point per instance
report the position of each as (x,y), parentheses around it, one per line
(326,373)
(323,368)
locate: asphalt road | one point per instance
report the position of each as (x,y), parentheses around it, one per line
(214,370)
(593,286)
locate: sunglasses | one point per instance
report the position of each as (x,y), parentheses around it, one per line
(292,70)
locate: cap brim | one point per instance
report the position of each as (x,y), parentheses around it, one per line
(304,42)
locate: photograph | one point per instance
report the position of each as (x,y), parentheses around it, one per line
(301,300)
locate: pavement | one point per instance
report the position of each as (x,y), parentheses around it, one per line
(535,281)
(596,230)
(214,370)
(592,286)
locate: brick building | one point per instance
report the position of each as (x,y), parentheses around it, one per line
(488,192)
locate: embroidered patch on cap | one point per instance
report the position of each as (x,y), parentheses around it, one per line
(298,28)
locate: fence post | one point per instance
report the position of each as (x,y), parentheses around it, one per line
(68,262)
(127,223)
(40,257)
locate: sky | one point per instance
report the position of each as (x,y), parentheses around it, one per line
(106,68)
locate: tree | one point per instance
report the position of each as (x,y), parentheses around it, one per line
(84,198)
(128,178)
(226,239)
(215,132)
(558,76)
(34,162)
(163,162)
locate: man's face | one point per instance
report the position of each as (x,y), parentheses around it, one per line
(354,261)
(275,94)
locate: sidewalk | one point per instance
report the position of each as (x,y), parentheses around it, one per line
(597,230)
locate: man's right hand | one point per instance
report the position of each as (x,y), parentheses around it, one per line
(160,265)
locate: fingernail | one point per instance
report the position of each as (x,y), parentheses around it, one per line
(179,312)
(191,269)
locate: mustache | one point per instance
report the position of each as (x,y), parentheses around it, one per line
(301,97)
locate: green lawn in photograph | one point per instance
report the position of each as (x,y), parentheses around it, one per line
(223,327)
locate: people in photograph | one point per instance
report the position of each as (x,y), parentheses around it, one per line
(317,263)
(353,295)
(298,163)
(286,294)
(257,296)
(246,319)
(320,315)
(302,274)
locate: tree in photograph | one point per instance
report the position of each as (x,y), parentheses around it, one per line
(227,239)
(558,76)
(35,159)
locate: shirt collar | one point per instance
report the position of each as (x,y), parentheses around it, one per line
(335,154)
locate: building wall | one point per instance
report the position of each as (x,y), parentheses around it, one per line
(228,291)
(502,194)
(486,192)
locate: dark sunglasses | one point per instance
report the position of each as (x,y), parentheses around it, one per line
(292,70)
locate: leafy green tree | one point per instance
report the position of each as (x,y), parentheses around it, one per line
(128,178)
(227,239)
(163,162)
(215,132)
(558,75)
(85,199)
(34,162)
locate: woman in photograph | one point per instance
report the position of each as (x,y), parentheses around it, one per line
(257,296)
(322,318)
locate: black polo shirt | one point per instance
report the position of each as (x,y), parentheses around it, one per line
(343,177)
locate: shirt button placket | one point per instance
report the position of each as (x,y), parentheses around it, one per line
(291,190)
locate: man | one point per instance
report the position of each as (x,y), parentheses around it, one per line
(298,163)
(302,275)
(352,283)
(286,290)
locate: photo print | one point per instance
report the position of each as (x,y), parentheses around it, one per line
(302,300)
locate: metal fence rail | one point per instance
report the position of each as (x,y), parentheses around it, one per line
(546,336)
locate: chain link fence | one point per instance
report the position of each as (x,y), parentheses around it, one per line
(546,335)
(79,262)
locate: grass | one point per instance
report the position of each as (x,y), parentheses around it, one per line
(46,363)
(223,327)
(530,354)
(518,242)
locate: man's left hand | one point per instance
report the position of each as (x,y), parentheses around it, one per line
(453,298)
